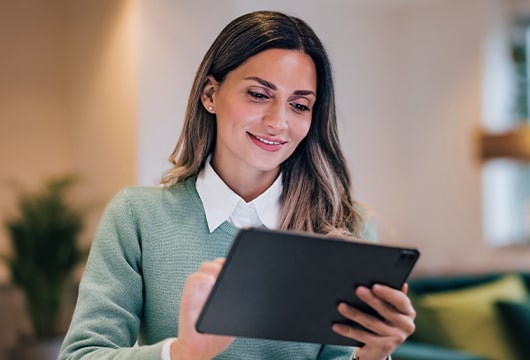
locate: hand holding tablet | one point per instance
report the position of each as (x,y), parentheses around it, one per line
(287,286)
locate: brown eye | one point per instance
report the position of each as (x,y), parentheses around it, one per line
(257,95)
(300,107)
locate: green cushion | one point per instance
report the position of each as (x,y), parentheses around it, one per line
(466,319)
(516,318)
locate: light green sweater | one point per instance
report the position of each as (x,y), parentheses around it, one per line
(148,242)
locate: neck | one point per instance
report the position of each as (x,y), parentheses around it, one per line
(247,184)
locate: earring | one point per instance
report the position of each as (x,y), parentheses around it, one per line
(210,108)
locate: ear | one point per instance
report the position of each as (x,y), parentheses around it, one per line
(207,95)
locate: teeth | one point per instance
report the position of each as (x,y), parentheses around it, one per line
(268,142)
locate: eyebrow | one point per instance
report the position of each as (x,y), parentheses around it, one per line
(273,87)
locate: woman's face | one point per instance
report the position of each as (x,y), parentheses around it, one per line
(263,111)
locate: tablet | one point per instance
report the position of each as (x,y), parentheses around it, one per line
(284,285)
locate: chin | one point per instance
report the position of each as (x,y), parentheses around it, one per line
(268,162)
(267,166)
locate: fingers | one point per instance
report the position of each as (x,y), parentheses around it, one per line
(196,290)
(396,321)
(212,268)
(386,300)
(379,347)
(367,321)
(352,332)
(199,285)
(392,305)
(220,260)
(405,288)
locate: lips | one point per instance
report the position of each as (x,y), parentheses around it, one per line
(267,142)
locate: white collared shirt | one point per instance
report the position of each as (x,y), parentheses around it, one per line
(222,204)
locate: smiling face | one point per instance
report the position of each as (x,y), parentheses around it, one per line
(263,111)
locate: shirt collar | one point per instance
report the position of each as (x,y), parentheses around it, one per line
(220,202)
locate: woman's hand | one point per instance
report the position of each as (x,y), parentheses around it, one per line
(190,344)
(384,336)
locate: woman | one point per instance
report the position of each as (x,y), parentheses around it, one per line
(259,147)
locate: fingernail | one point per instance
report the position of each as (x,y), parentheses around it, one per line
(363,289)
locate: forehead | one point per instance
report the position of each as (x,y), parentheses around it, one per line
(291,69)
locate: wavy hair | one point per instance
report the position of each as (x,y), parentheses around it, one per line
(316,194)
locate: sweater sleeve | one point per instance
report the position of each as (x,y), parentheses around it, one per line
(106,321)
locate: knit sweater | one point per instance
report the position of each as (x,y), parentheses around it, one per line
(148,242)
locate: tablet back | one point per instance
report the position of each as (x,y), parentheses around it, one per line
(286,286)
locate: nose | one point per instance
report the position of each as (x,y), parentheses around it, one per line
(275,117)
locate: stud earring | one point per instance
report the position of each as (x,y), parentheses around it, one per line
(210,108)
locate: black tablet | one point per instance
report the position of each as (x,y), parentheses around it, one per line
(286,286)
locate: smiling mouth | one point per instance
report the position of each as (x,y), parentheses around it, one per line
(268,142)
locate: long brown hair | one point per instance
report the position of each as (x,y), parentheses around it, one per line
(316,183)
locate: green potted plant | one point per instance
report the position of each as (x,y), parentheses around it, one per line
(44,237)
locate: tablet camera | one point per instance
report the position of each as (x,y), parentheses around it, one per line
(405,259)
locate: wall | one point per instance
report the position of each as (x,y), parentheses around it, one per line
(409,92)
(104,43)
(67,99)
(35,134)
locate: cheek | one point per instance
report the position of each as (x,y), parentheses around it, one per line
(238,114)
(300,129)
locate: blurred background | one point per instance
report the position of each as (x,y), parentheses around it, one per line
(99,87)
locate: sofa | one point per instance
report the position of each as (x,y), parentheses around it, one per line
(470,317)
